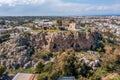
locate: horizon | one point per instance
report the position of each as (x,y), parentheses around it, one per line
(62,15)
(59,7)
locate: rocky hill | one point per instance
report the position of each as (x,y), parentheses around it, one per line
(59,41)
(16,52)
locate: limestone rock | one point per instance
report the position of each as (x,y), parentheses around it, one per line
(16,52)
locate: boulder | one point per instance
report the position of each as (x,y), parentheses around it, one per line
(27,65)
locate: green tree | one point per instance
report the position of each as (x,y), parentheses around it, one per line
(2,69)
(59,22)
(67,64)
(39,67)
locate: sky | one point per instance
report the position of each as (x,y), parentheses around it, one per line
(59,7)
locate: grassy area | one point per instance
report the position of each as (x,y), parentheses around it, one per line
(40,30)
(30,70)
(48,30)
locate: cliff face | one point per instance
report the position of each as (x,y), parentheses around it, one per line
(16,52)
(64,40)
(57,41)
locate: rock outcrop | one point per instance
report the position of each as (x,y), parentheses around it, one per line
(64,40)
(94,64)
(16,52)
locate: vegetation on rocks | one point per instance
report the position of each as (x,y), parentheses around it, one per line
(87,56)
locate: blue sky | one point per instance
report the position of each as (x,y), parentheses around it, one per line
(58,7)
(107,2)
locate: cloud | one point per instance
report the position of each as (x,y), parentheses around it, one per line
(21,2)
(80,8)
(53,7)
(114,7)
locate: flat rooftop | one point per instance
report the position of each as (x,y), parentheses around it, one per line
(24,76)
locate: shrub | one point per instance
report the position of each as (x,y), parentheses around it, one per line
(48,67)
(4,37)
(54,75)
(98,74)
(45,55)
(39,67)
(43,76)
(26,34)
